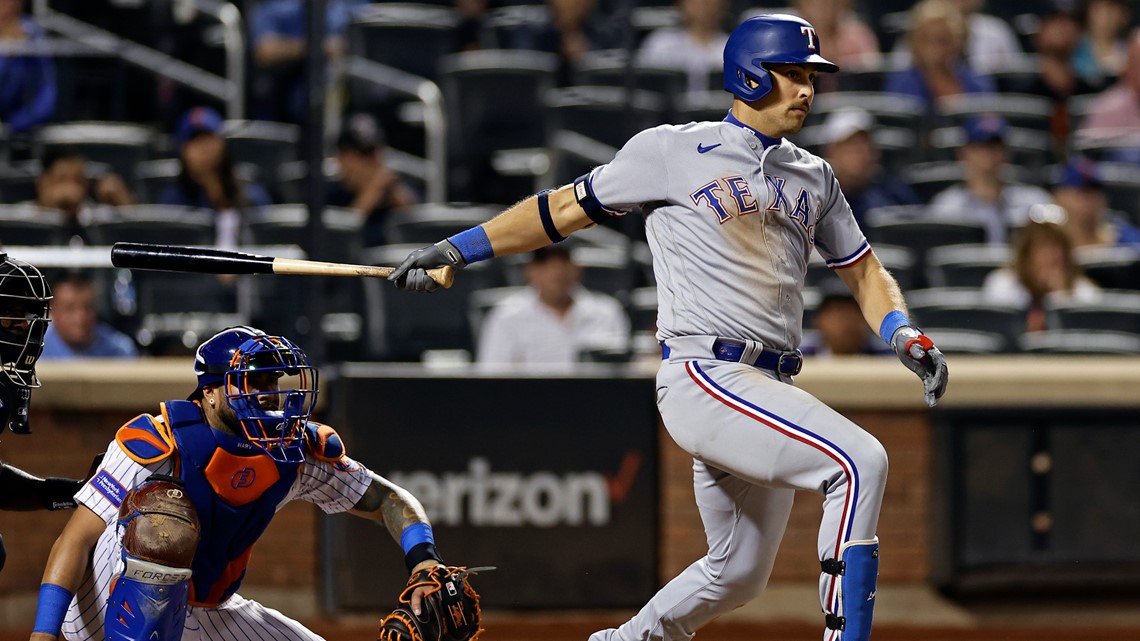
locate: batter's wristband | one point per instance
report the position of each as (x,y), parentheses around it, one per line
(891,324)
(422,552)
(473,244)
(51,608)
(415,534)
(547,221)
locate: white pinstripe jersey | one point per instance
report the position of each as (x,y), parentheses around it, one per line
(330,487)
(733,216)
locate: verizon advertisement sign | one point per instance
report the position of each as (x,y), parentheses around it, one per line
(552,480)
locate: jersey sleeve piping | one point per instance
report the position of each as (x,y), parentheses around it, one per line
(850,259)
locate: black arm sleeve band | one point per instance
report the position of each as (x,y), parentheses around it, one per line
(419,553)
(20,491)
(547,221)
(588,201)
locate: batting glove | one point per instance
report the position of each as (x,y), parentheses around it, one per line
(919,354)
(412,273)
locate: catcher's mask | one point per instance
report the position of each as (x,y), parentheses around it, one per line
(25,302)
(272,388)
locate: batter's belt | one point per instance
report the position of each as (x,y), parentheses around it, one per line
(733,350)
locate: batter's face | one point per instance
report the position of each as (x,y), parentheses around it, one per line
(782,112)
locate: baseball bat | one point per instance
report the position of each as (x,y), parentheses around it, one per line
(206,260)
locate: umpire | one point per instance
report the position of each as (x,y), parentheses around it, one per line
(24,301)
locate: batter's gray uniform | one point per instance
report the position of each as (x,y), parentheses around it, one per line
(733,217)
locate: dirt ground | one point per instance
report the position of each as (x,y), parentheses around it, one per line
(538,627)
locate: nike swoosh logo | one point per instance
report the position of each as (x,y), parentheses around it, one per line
(701,149)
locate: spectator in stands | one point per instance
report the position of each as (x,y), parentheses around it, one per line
(1055,40)
(208,178)
(984,196)
(27,83)
(472,33)
(573,28)
(847,40)
(991,44)
(75,330)
(366,184)
(840,329)
(696,47)
(1043,267)
(936,38)
(854,157)
(1100,54)
(1115,113)
(555,321)
(278,30)
(63,185)
(1079,190)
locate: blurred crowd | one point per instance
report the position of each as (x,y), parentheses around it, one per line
(1008,134)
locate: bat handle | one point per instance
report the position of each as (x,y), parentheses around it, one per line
(444,276)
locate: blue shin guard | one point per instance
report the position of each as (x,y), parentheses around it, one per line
(147,601)
(858,570)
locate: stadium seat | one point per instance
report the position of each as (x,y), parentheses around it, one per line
(27,224)
(18,181)
(265,145)
(611,68)
(952,340)
(930,178)
(643,309)
(964,265)
(430,222)
(1111,267)
(408,37)
(1078,341)
(965,309)
(610,115)
(163,224)
(1019,110)
(1027,148)
(120,145)
(899,147)
(699,106)
(913,228)
(1121,184)
(889,110)
(288,225)
(1113,311)
(493,100)
(413,323)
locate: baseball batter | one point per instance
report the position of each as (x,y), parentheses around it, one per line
(733,211)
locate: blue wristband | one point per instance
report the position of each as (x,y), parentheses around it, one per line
(891,323)
(473,244)
(51,608)
(415,534)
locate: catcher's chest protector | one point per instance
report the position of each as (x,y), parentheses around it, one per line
(236,490)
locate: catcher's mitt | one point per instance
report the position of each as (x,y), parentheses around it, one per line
(449,611)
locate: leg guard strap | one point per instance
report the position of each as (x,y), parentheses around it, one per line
(858,571)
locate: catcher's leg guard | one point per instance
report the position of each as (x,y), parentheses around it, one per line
(858,570)
(160,533)
(148,601)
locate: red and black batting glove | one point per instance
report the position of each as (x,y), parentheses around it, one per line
(449,611)
(919,354)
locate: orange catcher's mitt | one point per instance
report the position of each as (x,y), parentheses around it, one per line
(449,611)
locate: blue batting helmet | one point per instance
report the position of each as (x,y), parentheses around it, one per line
(760,40)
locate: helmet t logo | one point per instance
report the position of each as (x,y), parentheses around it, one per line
(810,33)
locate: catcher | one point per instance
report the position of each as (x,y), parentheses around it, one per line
(167,523)
(24,304)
